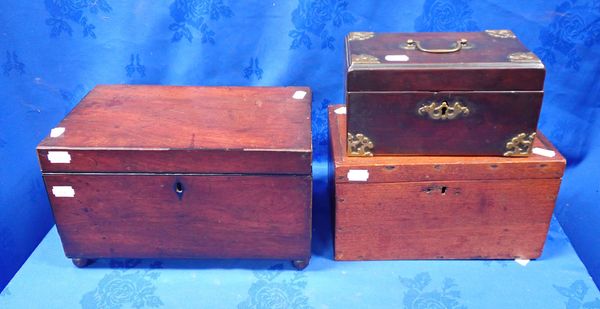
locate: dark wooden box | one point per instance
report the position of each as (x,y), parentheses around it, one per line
(434,207)
(471,93)
(183,172)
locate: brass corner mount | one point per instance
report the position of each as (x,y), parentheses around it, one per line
(502,34)
(364,59)
(359,145)
(360,36)
(520,145)
(523,57)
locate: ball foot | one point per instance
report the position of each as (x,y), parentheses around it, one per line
(81,262)
(300,264)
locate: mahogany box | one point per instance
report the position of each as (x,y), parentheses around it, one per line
(469,93)
(183,172)
(442,207)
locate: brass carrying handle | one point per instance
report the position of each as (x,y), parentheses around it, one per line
(458,45)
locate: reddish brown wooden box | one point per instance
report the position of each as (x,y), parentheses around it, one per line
(432,207)
(482,96)
(183,172)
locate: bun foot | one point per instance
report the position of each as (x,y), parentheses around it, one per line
(300,264)
(81,262)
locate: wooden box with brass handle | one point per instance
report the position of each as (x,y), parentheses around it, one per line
(469,93)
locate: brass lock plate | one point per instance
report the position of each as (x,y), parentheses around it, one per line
(443,110)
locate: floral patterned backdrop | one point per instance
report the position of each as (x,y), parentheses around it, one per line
(52,52)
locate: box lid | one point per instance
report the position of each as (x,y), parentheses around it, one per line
(177,129)
(544,163)
(491,60)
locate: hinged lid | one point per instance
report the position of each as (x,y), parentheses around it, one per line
(544,163)
(175,129)
(488,60)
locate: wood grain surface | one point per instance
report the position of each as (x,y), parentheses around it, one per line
(492,219)
(484,67)
(392,122)
(143,216)
(128,128)
(442,207)
(426,168)
(504,97)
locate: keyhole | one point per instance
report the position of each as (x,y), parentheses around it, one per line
(444,190)
(179,188)
(444,109)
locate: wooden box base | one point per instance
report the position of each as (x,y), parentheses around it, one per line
(183,216)
(441,207)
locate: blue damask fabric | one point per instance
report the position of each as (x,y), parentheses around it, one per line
(52,52)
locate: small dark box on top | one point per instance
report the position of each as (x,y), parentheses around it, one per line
(471,93)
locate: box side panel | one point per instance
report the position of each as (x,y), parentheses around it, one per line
(443,123)
(175,216)
(445,79)
(337,134)
(443,220)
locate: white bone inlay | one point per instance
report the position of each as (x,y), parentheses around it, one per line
(63,191)
(340,110)
(59,157)
(56,132)
(402,58)
(299,95)
(358,175)
(544,152)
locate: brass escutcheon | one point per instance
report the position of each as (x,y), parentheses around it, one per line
(443,111)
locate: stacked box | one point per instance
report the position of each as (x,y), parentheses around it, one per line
(424,150)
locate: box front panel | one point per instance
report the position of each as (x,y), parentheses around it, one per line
(443,220)
(182,216)
(176,161)
(444,123)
